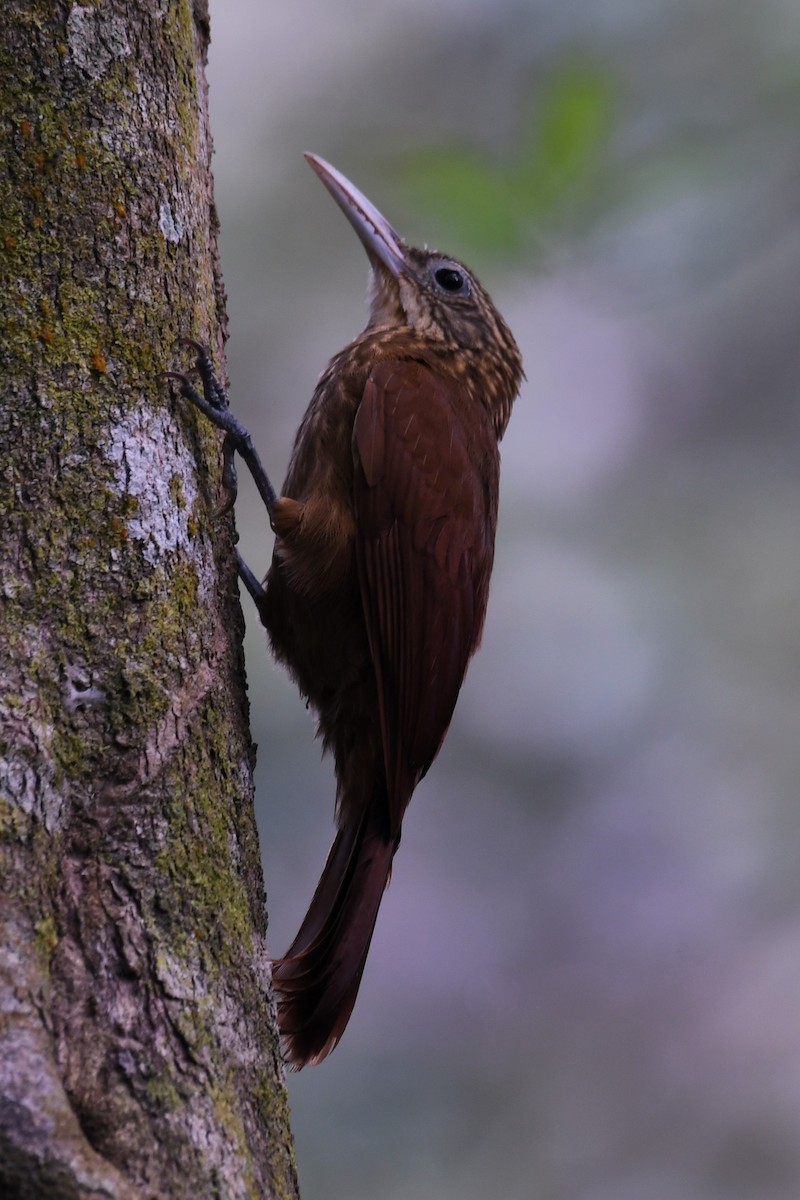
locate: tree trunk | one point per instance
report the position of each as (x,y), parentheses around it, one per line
(138,1052)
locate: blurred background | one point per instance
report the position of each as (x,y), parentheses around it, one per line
(585,980)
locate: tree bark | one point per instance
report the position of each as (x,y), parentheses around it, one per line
(138,1050)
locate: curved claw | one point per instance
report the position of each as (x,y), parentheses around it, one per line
(202,351)
(227,505)
(188,341)
(178,376)
(230,481)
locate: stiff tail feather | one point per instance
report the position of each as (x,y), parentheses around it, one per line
(317,980)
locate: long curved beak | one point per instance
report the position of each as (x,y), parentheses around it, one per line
(381,242)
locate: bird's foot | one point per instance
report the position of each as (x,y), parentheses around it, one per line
(213,402)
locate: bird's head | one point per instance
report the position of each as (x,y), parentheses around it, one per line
(435,297)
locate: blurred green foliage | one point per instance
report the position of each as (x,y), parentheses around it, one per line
(497,207)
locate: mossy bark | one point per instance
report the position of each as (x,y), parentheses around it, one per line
(138,1053)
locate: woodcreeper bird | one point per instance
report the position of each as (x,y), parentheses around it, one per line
(376,595)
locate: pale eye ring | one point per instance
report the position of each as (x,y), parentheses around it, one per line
(451,280)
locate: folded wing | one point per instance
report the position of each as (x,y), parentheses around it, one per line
(425,521)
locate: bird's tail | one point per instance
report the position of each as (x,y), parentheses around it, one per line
(316,982)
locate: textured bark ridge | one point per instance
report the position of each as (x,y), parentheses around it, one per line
(137,1041)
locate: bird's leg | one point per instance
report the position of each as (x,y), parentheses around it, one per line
(213,402)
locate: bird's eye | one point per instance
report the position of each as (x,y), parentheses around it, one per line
(451,280)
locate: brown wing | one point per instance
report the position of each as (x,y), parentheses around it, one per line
(425,540)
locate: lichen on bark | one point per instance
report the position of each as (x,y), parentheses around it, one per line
(134,973)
